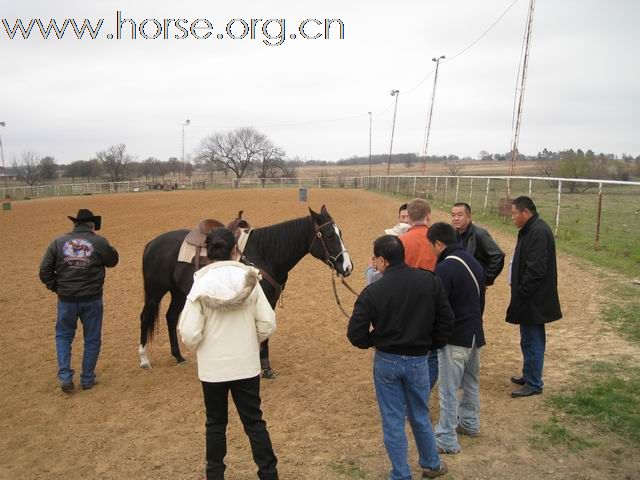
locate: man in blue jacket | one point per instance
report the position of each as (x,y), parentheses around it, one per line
(463,280)
(74,268)
(403,316)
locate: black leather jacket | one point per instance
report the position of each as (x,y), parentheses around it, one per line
(477,241)
(74,264)
(406,312)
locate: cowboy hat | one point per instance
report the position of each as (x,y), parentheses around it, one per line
(85,216)
(399,229)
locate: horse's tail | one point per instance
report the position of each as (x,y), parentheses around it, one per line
(152,298)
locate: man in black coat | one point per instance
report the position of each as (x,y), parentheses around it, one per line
(73,267)
(403,316)
(477,241)
(534,292)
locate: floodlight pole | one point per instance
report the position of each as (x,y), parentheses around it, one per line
(370,130)
(185,124)
(4,170)
(394,93)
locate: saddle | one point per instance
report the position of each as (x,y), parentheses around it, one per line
(198,236)
(196,239)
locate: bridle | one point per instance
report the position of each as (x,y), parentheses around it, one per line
(331,261)
(319,235)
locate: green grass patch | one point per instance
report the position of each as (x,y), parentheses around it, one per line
(610,396)
(350,469)
(552,435)
(624,315)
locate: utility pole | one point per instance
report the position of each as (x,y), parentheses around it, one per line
(522,78)
(394,93)
(370,130)
(4,170)
(430,115)
(185,124)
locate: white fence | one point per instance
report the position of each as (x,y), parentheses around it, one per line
(599,213)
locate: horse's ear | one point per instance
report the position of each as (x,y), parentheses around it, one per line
(323,210)
(313,214)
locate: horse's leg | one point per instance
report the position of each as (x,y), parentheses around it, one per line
(147,324)
(267,371)
(178,300)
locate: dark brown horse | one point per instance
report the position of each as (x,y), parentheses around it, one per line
(275,250)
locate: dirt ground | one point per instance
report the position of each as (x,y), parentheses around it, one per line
(321,410)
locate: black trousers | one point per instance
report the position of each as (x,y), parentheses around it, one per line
(246,396)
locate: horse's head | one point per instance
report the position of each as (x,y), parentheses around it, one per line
(327,243)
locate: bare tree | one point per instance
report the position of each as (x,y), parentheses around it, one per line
(28,170)
(270,164)
(115,161)
(48,168)
(238,151)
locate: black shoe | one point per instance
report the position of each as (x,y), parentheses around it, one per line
(68,387)
(525,391)
(89,386)
(518,380)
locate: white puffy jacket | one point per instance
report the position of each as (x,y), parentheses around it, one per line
(225,318)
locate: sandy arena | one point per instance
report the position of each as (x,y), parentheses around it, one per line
(321,410)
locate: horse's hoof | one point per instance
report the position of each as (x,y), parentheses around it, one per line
(145,365)
(269,374)
(181,361)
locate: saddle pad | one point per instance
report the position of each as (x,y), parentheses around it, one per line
(242,238)
(187,252)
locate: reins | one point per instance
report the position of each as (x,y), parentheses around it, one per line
(335,292)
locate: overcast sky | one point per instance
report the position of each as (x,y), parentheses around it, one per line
(70,98)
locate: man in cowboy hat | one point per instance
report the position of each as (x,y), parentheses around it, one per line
(74,268)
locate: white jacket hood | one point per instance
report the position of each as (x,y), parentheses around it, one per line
(225,285)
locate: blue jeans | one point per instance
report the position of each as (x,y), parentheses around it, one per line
(402,390)
(90,314)
(432,358)
(532,344)
(459,370)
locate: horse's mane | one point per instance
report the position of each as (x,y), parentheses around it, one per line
(284,238)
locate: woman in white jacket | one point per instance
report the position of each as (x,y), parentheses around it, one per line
(225,318)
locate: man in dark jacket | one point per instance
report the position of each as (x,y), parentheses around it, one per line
(459,361)
(477,241)
(534,292)
(403,315)
(74,267)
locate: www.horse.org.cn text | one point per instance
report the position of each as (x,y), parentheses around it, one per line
(271,32)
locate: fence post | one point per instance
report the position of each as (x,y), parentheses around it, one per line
(397,185)
(457,189)
(470,190)
(555,230)
(446,189)
(598,217)
(530,187)
(486,198)
(415,179)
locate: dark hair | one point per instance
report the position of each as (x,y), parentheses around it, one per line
(443,232)
(402,207)
(390,248)
(466,206)
(220,242)
(524,202)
